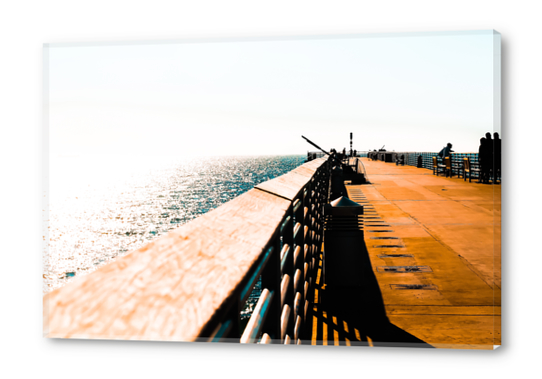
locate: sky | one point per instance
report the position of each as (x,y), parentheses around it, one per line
(409,92)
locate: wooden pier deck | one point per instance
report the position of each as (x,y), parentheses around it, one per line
(448,228)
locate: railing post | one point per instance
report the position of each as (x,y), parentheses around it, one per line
(287,232)
(299,266)
(271,278)
(314,196)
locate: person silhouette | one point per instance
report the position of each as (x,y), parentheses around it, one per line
(489,158)
(496,157)
(485,160)
(446,151)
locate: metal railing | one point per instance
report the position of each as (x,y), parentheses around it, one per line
(411,159)
(288,267)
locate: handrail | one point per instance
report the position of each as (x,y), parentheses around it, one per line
(301,234)
(192,283)
(411,157)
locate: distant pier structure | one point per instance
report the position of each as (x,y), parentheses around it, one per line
(349,249)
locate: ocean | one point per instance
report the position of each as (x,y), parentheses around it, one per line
(100,208)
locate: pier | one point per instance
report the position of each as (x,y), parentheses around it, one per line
(429,266)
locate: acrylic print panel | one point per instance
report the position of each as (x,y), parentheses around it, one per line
(184,204)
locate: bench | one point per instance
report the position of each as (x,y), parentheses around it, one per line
(438,167)
(468,169)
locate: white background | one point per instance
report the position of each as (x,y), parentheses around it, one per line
(26,25)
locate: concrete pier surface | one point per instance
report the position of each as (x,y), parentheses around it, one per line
(432,276)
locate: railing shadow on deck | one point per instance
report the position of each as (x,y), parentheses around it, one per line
(356,316)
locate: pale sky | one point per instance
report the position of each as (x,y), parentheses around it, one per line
(410,92)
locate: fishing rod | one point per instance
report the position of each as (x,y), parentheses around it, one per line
(315,145)
(319,148)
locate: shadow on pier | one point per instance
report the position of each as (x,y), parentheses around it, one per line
(355,315)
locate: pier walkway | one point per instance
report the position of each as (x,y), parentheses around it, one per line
(432,272)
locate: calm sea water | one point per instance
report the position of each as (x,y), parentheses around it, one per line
(102,208)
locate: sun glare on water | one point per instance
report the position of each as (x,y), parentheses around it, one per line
(102,208)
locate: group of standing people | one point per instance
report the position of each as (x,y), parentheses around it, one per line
(489,157)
